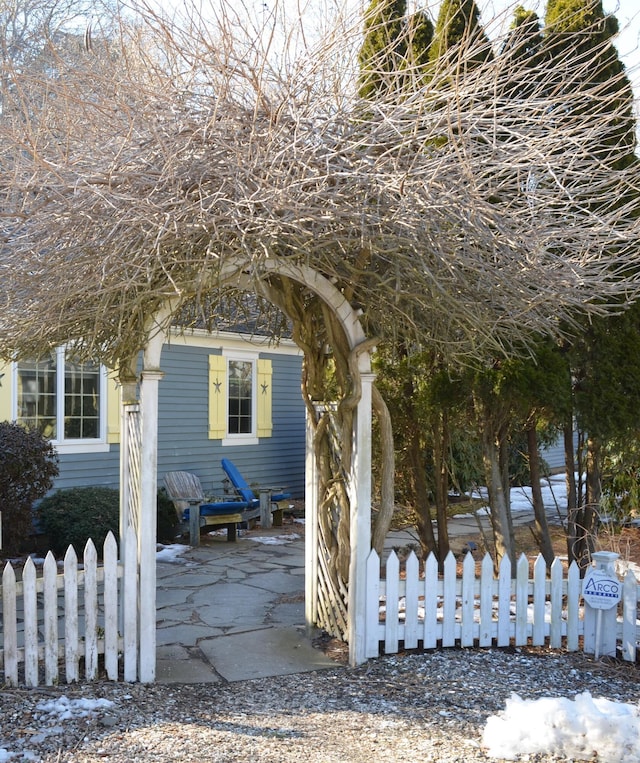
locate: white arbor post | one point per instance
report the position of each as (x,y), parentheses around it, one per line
(360,524)
(130,436)
(311,529)
(151,376)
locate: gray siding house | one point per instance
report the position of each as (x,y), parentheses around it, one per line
(223,395)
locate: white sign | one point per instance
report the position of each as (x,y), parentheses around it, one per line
(601,589)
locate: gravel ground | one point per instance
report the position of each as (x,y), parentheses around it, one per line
(411,707)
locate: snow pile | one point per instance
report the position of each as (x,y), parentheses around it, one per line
(581,729)
(554,492)
(170,553)
(64,708)
(274,540)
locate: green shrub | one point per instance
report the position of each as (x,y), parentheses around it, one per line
(72,516)
(28,466)
(167,518)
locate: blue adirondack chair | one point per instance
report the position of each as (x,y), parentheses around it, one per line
(269,500)
(185,490)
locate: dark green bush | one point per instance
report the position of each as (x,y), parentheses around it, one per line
(28,466)
(167,518)
(72,516)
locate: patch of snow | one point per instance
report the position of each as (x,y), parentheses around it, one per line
(274,540)
(170,553)
(580,729)
(64,708)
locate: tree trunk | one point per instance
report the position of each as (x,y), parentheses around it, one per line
(421,496)
(543,538)
(503,456)
(497,502)
(592,504)
(440,429)
(572,491)
(387,472)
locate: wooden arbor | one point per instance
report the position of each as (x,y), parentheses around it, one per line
(334,598)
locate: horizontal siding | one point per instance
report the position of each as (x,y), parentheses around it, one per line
(183,442)
(80,469)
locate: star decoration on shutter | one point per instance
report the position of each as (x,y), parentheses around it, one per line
(265,387)
(217,384)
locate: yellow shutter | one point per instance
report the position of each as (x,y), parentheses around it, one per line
(217,397)
(113,410)
(5,391)
(265,375)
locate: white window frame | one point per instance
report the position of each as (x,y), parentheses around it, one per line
(250,438)
(69,445)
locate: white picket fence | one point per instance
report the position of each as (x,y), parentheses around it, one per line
(69,617)
(405,607)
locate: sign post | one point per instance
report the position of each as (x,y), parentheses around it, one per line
(601,590)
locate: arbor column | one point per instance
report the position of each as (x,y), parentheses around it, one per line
(360,524)
(311,562)
(151,376)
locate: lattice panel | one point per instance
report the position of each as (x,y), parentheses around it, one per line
(133,444)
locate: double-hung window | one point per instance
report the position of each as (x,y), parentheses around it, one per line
(241,408)
(64,398)
(239,397)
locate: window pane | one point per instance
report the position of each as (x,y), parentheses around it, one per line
(240,411)
(37,395)
(81,400)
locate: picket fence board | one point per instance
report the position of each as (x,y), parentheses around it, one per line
(71,642)
(504,602)
(110,601)
(50,626)
(130,607)
(555,597)
(430,604)
(39,603)
(10,625)
(629,616)
(411,596)
(90,611)
(468,598)
(486,610)
(449,604)
(486,602)
(30,603)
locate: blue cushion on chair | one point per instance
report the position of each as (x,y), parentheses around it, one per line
(216,509)
(275,497)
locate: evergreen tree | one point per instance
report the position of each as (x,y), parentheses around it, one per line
(457,31)
(384,48)
(521,53)
(580,32)
(604,367)
(395,52)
